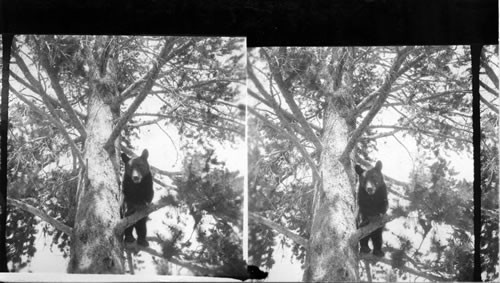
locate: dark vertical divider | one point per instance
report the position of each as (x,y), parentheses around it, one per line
(476,126)
(4,124)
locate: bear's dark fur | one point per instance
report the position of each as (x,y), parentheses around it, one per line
(138,192)
(372,201)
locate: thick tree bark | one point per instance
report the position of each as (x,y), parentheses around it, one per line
(331,257)
(95,248)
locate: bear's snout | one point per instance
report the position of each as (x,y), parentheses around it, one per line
(136,176)
(370,188)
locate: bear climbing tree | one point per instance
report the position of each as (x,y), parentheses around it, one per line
(138,192)
(372,201)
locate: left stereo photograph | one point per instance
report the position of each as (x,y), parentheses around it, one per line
(127,155)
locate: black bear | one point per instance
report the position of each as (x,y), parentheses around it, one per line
(372,201)
(138,192)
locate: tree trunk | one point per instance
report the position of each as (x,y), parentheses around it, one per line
(330,256)
(94,246)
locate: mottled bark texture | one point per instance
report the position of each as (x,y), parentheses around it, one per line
(95,248)
(331,257)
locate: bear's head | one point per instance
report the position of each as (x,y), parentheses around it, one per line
(136,168)
(372,179)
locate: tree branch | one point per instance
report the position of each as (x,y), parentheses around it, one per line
(383,93)
(130,262)
(164,56)
(208,82)
(488,88)
(162,184)
(421,131)
(54,101)
(382,135)
(43,215)
(54,81)
(489,71)
(170,115)
(45,97)
(270,102)
(286,115)
(291,137)
(366,101)
(297,113)
(29,86)
(131,219)
(146,123)
(372,226)
(194,122)
(368,270)
(489,104)
(188,265)
(373,259)
(56,123)
(132,87)
(292,236)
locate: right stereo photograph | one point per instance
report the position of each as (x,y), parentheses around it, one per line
(361,163)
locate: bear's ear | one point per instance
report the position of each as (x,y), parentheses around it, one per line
(378,166)
(125,158)
(358,169)
(145,154)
